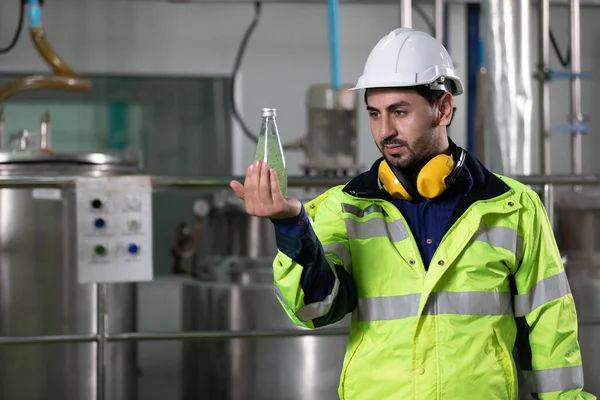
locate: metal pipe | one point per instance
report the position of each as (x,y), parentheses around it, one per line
(64,78)
(543,69)
(406,13)
(25,182)
(200,335)
(334,44)
(24,139)
(101,327)
(168,336)
(561,3)
(439,20)
(24,340)
(576,112)
(45,131)
(2,128)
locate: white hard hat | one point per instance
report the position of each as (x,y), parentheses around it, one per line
(406,57)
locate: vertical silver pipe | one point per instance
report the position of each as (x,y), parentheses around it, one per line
(23,139)
(101,346)
(2,129)
(544,67)
(576,112)
(439,20)
(406,13)
(45,131)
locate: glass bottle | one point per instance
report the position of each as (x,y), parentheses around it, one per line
(269,149)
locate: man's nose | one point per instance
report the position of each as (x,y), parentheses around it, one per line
(386,129)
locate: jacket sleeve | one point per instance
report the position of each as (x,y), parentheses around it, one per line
(545,314)
(312,268)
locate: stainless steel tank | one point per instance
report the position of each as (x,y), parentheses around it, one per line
(578,236)
(39,291)
(239,296)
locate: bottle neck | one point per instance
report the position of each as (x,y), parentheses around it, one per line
(269,126)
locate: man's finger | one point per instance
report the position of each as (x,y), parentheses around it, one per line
(276,195)
(250,187)
(238,189)
(264,186)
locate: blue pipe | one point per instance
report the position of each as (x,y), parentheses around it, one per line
(474,62)
(334,44)
(35,13)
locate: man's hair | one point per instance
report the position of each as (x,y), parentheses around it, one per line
(432,96)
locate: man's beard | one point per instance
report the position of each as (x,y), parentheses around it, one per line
(416,153)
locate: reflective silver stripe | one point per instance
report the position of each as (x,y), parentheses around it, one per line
(352,209)
(458,303)
(469,303)
(376,227)
(500,236)
(387,308)
(313,310)
(544,291)
(341,252)
(554,380)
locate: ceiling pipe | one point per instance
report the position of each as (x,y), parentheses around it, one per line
(64,78)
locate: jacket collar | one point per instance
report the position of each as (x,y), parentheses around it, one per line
(486,185)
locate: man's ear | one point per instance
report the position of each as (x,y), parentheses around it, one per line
(445,109)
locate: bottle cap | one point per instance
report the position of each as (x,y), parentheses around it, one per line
(268,112)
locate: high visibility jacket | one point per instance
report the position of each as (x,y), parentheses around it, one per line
(447,331)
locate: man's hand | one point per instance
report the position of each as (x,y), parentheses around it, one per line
(262,195)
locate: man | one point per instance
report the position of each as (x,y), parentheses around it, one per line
(444,266)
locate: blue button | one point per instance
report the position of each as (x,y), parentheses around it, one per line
(99,223)
(133,248)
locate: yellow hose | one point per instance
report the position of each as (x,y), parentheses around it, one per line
(64,77)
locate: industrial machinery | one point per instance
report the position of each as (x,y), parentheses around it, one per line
(331,143)
(40,292)
(233,291)
(239,296)
(578,236)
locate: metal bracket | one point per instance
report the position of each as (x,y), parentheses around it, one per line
(570,128)
(565,74)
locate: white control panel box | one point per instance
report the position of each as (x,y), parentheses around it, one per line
(114,229)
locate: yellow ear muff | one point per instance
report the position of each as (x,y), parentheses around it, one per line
(390,182)
(430,182)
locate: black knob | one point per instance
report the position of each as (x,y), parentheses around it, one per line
(96,203)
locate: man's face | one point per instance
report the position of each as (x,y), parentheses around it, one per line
(404,125)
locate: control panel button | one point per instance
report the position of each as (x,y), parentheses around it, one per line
(133,248)
(132,203)
(100,250)
(99,223)
(133,225)
(96,203)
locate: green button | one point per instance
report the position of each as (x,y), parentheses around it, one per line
(100,250)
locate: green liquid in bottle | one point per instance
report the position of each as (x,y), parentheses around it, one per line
(269,150)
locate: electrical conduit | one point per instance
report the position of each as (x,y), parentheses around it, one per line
(64,77)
